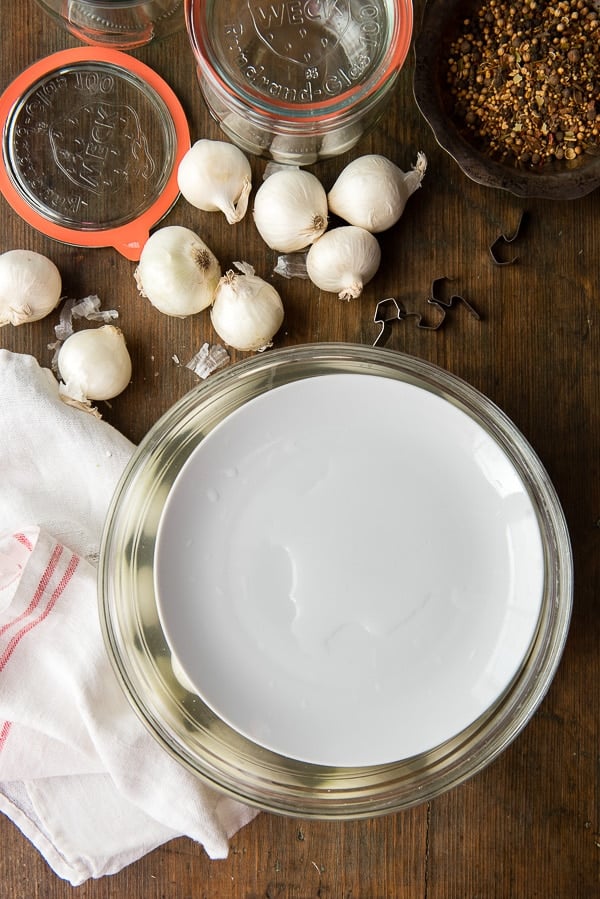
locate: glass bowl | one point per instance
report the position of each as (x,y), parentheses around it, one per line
(156,683)
(549,178)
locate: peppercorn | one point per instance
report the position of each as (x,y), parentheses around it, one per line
(527,82)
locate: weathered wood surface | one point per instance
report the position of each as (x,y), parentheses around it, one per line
(527,826)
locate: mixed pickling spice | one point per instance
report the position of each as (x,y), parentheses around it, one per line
(525,80)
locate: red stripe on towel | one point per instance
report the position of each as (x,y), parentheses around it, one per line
(25,541)
(4,733)
(42,586)
(57,593)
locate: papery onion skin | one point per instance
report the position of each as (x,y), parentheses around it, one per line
(30,287)
(94,364)
(290,210)
(177,272)
(215,176)
(343,261)
(247,312)
(372,191)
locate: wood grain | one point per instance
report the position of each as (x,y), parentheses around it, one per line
(526,827)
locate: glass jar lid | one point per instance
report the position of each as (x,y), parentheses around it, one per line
(91,142)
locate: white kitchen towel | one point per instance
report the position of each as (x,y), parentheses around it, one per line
(79,773)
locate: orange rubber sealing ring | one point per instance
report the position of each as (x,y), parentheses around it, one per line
(127,239)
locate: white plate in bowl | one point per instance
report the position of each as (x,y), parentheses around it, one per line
(349,570)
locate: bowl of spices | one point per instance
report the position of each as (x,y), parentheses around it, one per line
(512,92)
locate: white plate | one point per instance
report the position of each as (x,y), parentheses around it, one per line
(349,570)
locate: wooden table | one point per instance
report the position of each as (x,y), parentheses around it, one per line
(528,826)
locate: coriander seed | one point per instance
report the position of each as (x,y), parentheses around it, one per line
(526,80)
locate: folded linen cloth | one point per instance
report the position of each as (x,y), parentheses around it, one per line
(79,773)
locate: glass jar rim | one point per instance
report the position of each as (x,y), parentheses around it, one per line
(353,100)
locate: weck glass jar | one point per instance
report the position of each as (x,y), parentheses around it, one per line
(122,24)
(298,80)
